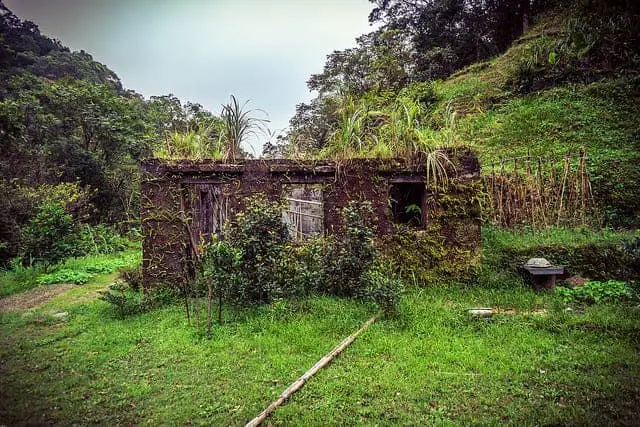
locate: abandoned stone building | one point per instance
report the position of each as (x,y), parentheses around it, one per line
(184,201)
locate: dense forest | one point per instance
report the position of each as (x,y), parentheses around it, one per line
(71,136)
(501,76)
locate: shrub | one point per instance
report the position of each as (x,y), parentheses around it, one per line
(260,235)
(594,292)
(127,302)
(303,266)
(50,236)
(384,289)
(350,256)
(220,273)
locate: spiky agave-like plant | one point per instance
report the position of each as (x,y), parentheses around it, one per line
(237,125)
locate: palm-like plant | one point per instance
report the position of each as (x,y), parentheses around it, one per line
(237,125)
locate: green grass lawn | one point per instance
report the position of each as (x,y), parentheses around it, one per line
(432,364)
(73,270)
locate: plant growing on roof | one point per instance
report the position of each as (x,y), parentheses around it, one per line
(237,125)
(195,143)
(436,164)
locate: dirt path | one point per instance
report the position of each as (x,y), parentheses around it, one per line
(34,297)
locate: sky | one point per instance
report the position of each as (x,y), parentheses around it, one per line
(204,51)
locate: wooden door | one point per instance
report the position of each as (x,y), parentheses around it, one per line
(207,208)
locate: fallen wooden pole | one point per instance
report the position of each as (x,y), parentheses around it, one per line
(303,379)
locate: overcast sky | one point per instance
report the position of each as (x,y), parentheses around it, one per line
(205,50)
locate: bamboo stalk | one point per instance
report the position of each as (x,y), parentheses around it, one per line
(303,379)
(563,186)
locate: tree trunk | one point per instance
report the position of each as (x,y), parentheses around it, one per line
(525,9)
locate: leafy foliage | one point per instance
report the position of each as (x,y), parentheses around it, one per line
(220,274)
(50,236)
(127,301)
(260,235)
(594,292)
(384,289)
(257,264)
(349,257)
(69,128)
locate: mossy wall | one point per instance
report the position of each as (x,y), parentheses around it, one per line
(446,243)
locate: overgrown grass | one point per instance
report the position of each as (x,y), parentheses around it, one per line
(496,238)
(436,365)
(562,119)
(74,270)
(433,363)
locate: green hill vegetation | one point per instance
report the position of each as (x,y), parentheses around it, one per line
(509,78)
(569,81)
(72,136)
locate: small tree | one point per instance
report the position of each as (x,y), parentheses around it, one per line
(220,264)
(348,258)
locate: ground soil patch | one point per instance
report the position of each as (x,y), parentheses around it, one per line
(34,297)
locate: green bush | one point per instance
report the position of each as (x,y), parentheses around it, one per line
(594,292)
(260,235)
(126,301)
(50,236)
(258,264)
(304,267)
(384,289)
(221,276)
(349,256)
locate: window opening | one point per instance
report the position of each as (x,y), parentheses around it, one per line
(406,203)
(304,211)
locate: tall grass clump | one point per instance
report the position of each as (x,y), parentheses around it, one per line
(238,124)
(193,144)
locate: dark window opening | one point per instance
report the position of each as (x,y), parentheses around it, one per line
(406,203)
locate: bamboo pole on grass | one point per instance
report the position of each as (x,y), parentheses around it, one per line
(303,379)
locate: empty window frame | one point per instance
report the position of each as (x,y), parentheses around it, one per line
(406,201)
(304,211)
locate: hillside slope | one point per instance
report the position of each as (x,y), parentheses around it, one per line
(550,94)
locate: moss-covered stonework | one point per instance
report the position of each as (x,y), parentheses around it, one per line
(446,243)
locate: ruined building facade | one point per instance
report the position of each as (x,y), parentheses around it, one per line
(186,201)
